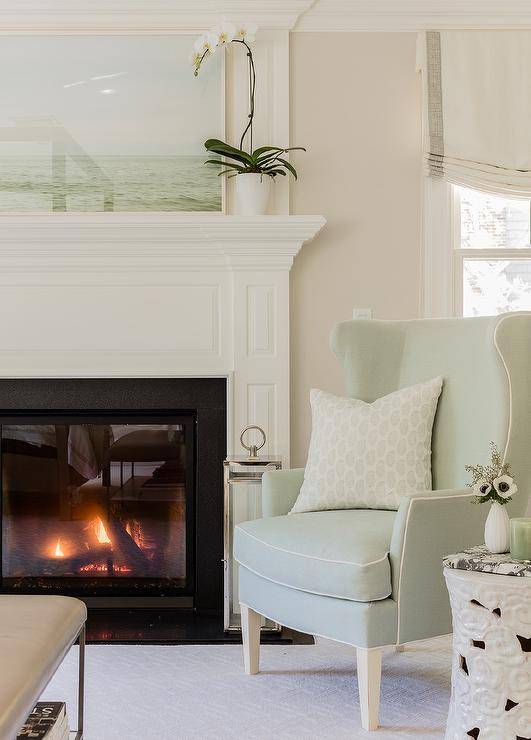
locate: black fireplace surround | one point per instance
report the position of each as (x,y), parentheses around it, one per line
(145,527)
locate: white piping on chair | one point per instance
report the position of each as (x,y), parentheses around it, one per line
(306,591)
(312,557)
(510,419)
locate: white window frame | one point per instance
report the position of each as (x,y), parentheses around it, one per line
(443,257)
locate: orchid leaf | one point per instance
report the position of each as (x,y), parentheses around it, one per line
(276,152)
(288,166)
(265,160)
(261,150)
(233,171)
(226,150)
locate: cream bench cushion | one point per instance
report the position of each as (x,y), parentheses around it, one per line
(35,634)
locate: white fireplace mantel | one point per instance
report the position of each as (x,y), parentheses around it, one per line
(135,242)
(136,295)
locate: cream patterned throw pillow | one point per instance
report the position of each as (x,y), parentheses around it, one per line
(366,455)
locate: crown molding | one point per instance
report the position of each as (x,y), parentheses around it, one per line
(414,15)
(174,16)
(101,242)
(144,16)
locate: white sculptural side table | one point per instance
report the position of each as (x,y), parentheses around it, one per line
(490,597)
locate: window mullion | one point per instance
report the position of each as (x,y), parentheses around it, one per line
(500,253)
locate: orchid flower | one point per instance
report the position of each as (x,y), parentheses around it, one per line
(226,33)
(208,42)
(221,36)
(246,32)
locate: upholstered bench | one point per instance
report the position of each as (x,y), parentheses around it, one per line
(36,632)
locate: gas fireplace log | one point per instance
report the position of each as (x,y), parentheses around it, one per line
(124,543)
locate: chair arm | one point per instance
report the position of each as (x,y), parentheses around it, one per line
(280,489)
(429,526)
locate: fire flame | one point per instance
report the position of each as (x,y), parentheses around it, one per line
(101,533)
(58,552)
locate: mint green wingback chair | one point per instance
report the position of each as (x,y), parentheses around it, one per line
(373,578)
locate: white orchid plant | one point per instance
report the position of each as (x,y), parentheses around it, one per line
(266,160)
(492,482)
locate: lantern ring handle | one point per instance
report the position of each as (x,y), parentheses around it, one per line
(253,449)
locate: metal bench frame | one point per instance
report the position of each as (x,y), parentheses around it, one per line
(81,684)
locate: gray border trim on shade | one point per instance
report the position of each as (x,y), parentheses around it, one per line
(435,111)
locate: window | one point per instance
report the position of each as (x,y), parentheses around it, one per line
(492,253)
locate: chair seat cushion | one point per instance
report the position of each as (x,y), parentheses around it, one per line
(342,554)
(35,634)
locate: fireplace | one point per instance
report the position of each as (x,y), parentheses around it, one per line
(112,489)
(179,316)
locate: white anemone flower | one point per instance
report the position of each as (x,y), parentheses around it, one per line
(482,488)
(246,32)
(226,33)
(505,486)
(207,42)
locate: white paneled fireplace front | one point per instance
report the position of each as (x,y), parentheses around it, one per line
(126,295)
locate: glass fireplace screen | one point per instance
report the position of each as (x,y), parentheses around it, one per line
(101,500)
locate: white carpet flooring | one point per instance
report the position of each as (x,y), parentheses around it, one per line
(304,691)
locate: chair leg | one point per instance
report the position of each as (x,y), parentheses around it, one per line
(251,639)
(400,648)
(369,673)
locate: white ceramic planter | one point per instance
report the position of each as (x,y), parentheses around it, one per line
(252,192)
(497,529)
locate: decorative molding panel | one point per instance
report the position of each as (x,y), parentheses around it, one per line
(261,320)
(261,410)
(65,309)
(144,16)
(413,15)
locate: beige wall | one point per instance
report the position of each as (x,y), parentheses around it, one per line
(355,103)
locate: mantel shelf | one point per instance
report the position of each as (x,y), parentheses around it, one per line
(153,242)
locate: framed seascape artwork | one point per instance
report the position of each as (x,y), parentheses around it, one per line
(107,123)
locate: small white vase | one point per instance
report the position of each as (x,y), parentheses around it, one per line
(497,529)
(252,192)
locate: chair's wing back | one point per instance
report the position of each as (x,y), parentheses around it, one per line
(486,366)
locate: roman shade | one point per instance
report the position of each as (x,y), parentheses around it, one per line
(477,108)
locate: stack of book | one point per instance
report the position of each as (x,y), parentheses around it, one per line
(47,721)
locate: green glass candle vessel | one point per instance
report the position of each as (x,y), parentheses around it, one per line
(521,538)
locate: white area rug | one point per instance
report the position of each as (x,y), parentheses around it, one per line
(304,691)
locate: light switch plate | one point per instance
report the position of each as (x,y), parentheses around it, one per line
(362,313)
